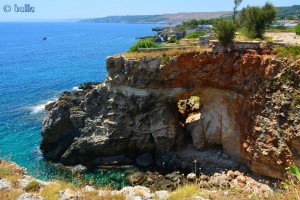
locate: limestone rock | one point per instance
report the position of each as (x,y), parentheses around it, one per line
(88,188)
(5,184)
(191,177)
(135,178)
(162,195)
(68,194)
(28,196)
(137,192)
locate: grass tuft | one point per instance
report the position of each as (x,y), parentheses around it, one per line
(184,193)
(33,186)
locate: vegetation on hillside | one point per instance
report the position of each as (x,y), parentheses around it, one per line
(298,29)
(292,52)
(196,34)
(290,12)
(145,43)
(255,20)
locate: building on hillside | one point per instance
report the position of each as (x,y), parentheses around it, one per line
(205,27)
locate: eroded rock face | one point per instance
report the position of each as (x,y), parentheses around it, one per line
(249,106)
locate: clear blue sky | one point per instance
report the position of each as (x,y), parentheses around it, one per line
(75,9)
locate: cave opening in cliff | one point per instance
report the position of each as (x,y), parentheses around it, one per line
(209,119)
(189,115)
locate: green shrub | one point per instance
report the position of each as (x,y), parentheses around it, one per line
(33,186)
(195,35)
(257,19)
(165,59)
(225,31)
(145,43)
(288,52)
(171,40)
(298,29)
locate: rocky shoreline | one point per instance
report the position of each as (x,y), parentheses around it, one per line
(16,184)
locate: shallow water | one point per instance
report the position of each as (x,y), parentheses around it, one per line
(33,72)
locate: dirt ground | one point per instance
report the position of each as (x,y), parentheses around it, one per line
(290,38)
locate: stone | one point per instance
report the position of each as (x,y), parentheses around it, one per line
(144,160)
(68,194)
(136,178)
(197,197)
(5,184)
(79,169)
(25,181)
(204,178)
(174,177)
(220,180)
(162,195)
(136,192)
(88,188)
(191,177)
(28,196)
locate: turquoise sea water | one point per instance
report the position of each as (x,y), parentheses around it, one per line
(34,72)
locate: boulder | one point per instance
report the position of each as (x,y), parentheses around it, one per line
(136,178)
(191,177)
(137,192)
(162,195)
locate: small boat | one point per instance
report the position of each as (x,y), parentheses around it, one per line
(45,38)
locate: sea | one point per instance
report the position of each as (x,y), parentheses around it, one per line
(38,61)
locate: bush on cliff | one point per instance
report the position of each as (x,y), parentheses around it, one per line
(195,35)
(145,43)
(298,29)
(225,31)
(256,19)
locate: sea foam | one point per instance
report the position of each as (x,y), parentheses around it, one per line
(39,108)
(76,89)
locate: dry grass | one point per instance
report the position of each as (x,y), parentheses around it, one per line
(171,52)
(11,172)
(9,194)
(95,196)
(185,193)
(50,192)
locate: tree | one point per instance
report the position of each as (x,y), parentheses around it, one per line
(237,3)
(257,19)
(298,29)
(225,31)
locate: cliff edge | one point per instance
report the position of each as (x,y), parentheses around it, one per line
(220,109)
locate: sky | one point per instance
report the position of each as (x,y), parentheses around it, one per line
(81,9)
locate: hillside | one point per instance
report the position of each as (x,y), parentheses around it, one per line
(165,18)
(291,12)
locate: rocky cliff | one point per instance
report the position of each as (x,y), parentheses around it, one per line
(216,108)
